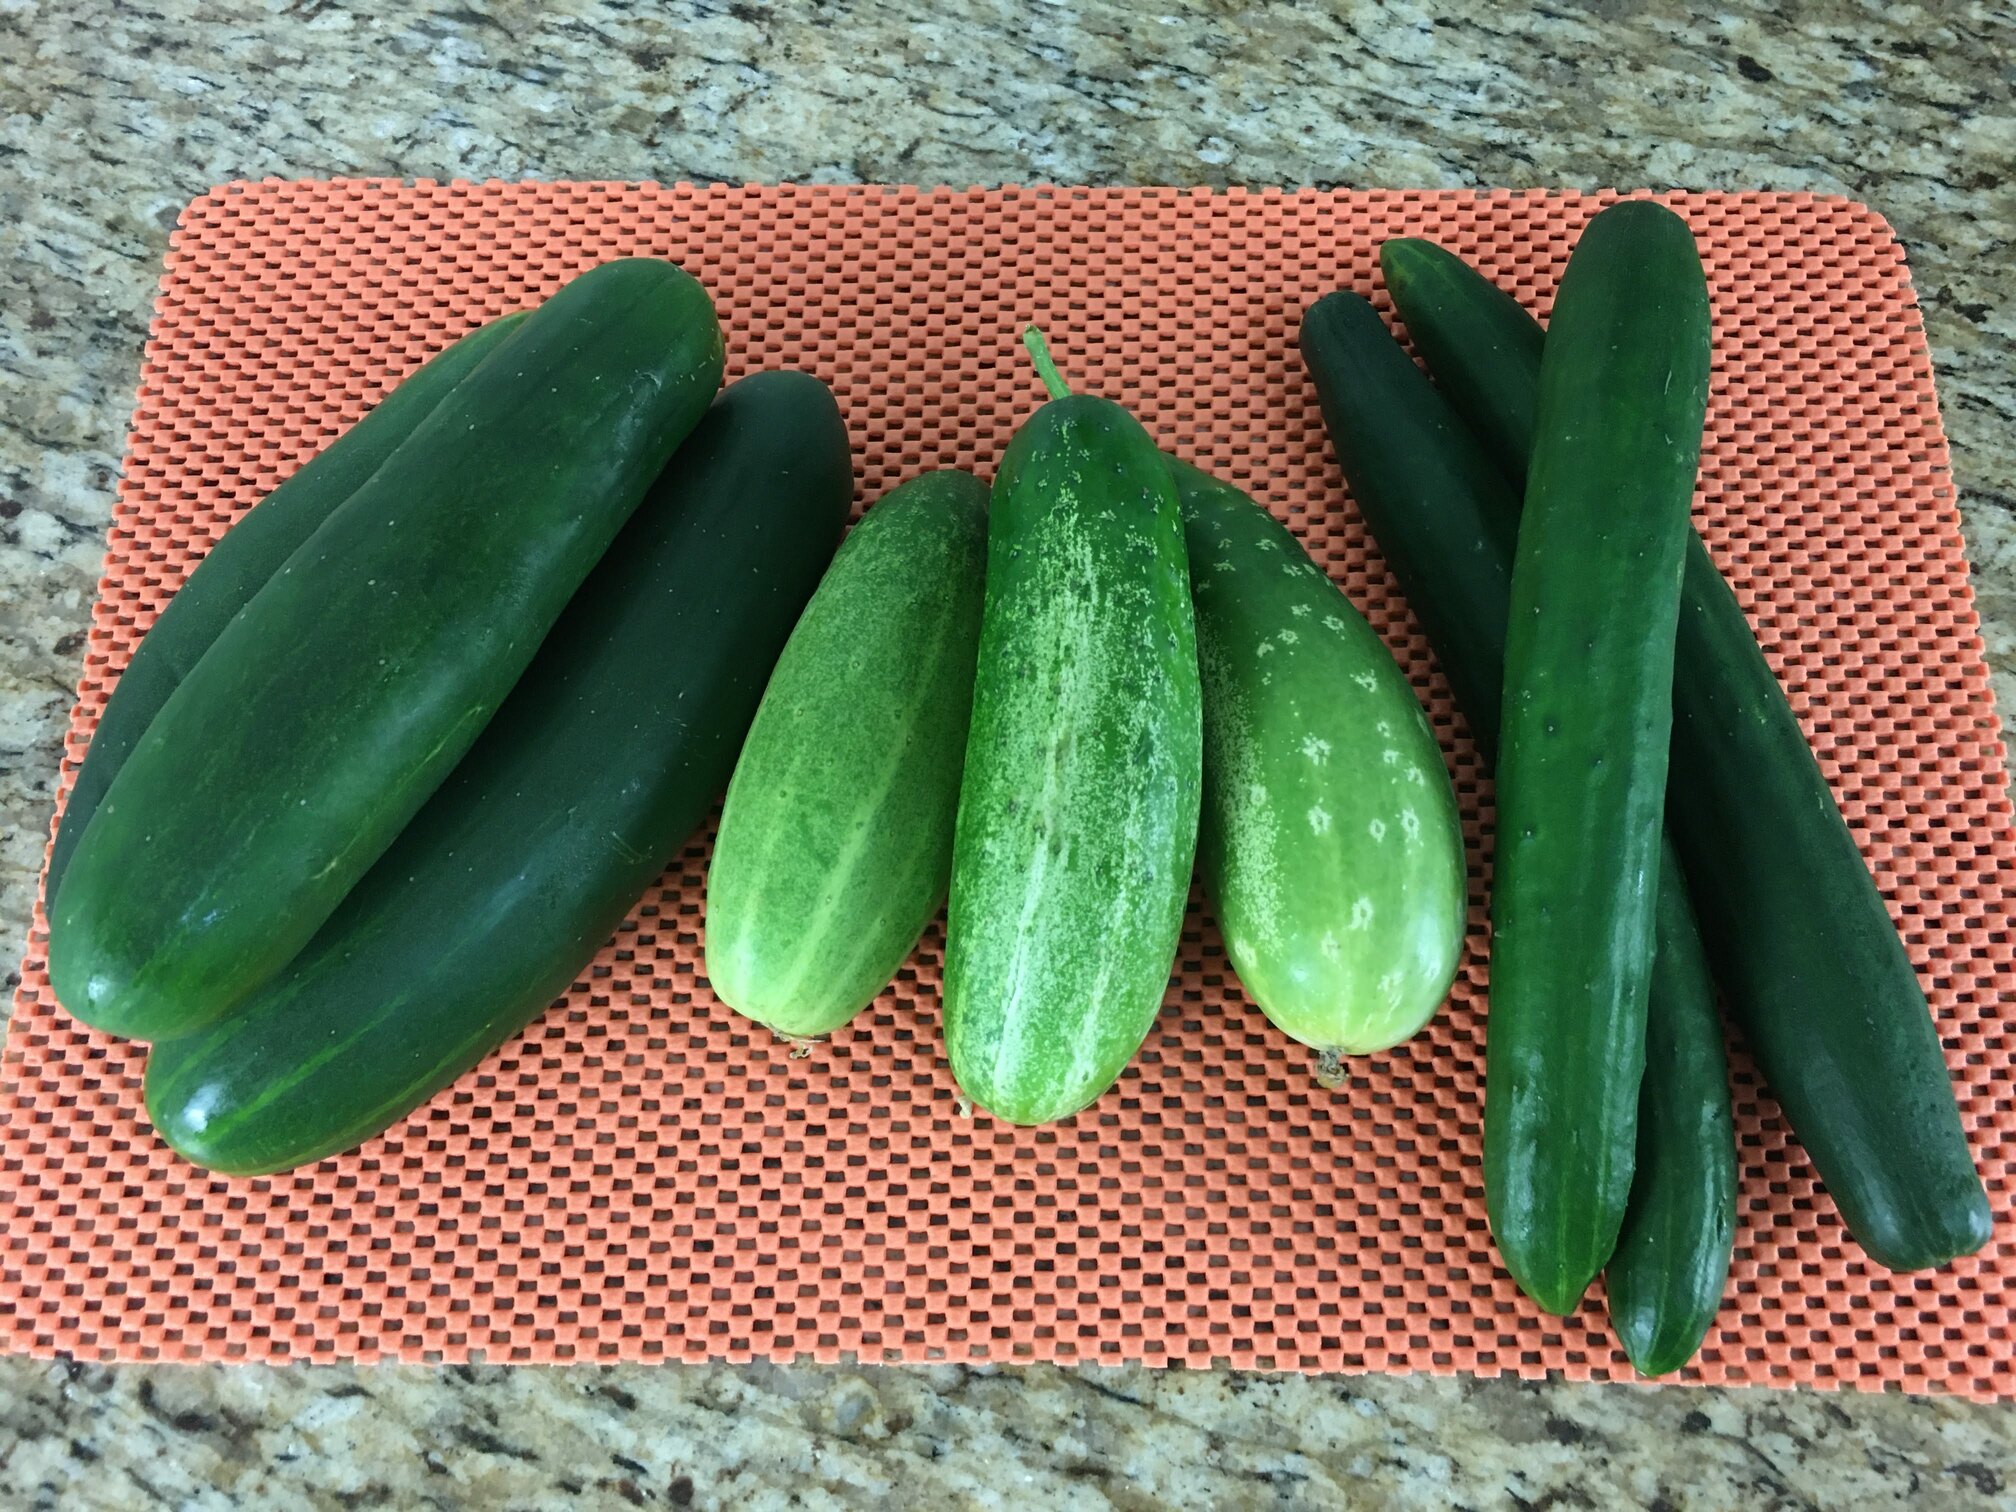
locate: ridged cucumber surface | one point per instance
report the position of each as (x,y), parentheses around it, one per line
(345,691)
(1078,807)
(835,847)
(1666,1277)
(1330,843)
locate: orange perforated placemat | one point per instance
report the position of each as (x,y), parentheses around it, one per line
(643,1176)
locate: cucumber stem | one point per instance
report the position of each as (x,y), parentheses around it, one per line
(1046,369)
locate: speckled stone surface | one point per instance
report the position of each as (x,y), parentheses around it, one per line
(103,137)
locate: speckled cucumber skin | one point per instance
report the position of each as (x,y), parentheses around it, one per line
(835,845)
(1078,812)
(1330,842)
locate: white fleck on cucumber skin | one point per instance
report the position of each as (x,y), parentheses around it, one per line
(1330,840)
(1078,813)
(835,843)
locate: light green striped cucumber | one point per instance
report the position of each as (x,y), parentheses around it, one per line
(1078,810)
(1330,842)
(836,840)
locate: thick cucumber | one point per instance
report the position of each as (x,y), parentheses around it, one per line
(1586,725)
(347,689)
(1794,923)
(835,846)
(1665,1278)
(1445,519)
(607,753)
(239,565)
(1078,809)
(1329,842)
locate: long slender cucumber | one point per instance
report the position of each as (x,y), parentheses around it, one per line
(1798,932)
(1586,726)
(1446,519)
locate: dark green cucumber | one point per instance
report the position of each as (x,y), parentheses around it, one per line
(1078,809)
(240,564)
(608,752)
(1665,1278)
(1330,842)
(835,847)
(1585,730)
(1472,335)
(1795,925)
(1445,519)
(346,690)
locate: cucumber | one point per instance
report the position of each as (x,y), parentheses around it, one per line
(1473,336)
(1330,843)
(1078,807)
(1798,932)
(1666,1276)
(835,846)
(1586,724)
(608,752)
(1446,520)
(346,690)
(239,565)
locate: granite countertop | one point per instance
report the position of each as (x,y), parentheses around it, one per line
(1912,109)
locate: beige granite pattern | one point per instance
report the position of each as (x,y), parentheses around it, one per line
(112,116)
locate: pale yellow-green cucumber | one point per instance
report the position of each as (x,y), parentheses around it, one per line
(835,847)
(1330,843)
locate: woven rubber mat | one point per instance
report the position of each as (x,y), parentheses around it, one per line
(642,1175)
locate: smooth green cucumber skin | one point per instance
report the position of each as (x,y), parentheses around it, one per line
(610,750)
(1794,923)
(337,699)
(1329,841)
(1078,808)
(1468,331)
(835,846)
(1816,972)
(1666,1277)
(240,564)
(1585,730)
(1446,520)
